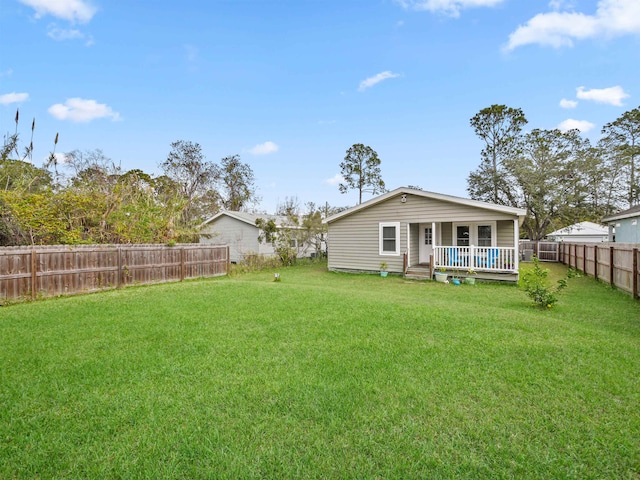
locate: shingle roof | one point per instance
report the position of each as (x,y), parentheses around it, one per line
(631,212)
(582,228)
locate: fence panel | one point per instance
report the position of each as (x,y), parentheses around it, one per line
(615,263)
(61,270)
(545,251)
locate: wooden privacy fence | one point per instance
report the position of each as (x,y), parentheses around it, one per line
(61,270)
(613,263)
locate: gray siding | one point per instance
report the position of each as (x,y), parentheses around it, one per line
(353,242)
(447,233)
(505,233)
(414,232)
(241,237)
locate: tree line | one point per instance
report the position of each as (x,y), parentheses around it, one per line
(560,178)
(87,198)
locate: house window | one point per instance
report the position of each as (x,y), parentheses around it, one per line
(478,234)
(484,235)
(428,236)
(462,235)
(389,235)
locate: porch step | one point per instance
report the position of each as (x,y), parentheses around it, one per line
(419,272)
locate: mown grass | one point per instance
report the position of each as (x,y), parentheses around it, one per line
(321,375)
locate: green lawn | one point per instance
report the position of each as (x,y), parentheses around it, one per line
(321,375)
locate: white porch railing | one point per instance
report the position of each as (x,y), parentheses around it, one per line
(487,259)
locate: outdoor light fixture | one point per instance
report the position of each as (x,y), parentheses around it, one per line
(403,199)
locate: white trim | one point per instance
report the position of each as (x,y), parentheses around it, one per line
(521,213)
(516,242)
(396,225)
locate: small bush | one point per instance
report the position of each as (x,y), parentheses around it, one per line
(536,284)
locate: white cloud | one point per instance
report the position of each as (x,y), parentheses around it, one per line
(264,148)
(81,110)
(561,29)
(61,34)
(448,7)
(335,180)
(371,81)
(561,4)
(13,97)
(564,103)
(6,73)
(611,95)
(71,10)
(571,124)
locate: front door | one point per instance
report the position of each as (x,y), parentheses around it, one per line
(426,242)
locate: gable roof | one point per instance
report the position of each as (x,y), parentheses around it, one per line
(631,212)
(581,229)
(248,218)
(521,213)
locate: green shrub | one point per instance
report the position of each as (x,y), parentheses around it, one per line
(535,283)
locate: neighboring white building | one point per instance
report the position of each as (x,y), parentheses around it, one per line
(239,231)
(583,232)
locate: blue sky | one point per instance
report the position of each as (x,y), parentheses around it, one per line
(291,85)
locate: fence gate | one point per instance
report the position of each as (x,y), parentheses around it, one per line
(545,251)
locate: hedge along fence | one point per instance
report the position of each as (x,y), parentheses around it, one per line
(46,271)
(615,263)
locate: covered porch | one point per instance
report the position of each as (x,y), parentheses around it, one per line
(485,249)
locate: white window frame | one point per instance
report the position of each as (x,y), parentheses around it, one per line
(473,232)
(381,227)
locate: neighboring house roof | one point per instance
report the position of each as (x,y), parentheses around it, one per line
(521,213)
(632,212)
(581,229)
(248,218)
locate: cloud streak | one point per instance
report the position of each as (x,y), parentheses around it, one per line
(13,97)
(371,81)
(264,148)
(335,180)
(74,11)
(610,96)
(82,111)
(447,7)
(565,103)
(561,29)
(571,124)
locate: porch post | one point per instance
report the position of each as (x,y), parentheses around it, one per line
(408,245)
(516,244)
(434,243)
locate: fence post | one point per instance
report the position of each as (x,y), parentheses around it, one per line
(34,273)
(595,261)
(181,264)
(584,259)
(611,281)
(228,261)
(119,272)
(635,273)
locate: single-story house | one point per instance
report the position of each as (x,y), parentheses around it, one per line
(239,231)
(625,225)
(583,232)
(416,232)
